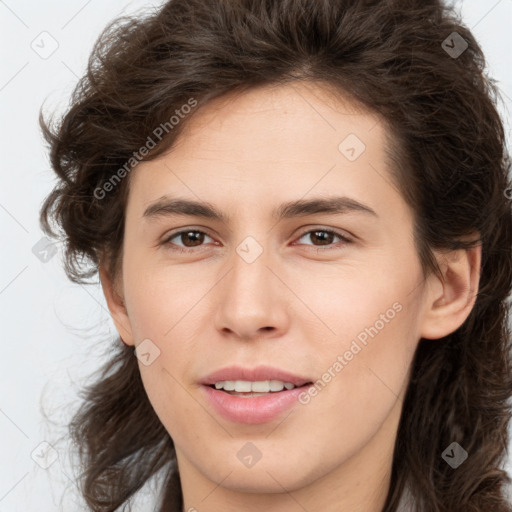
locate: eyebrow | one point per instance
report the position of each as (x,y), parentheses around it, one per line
(169,206)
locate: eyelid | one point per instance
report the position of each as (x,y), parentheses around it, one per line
(168,236)
(347,237)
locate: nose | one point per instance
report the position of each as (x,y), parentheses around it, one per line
(251,300)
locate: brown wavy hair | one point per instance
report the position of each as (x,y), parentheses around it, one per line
(450,163)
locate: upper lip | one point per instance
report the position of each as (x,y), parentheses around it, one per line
(258,373)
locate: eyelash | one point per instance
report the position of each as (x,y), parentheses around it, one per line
(189,250)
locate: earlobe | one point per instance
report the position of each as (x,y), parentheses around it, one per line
(116,306)
(450,301)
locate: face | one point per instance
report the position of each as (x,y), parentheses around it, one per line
(311,269)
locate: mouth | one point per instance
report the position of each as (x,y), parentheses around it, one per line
(249,389)
(253,395)
(262,379)
(251,407)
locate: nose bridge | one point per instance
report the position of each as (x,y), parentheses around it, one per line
(249,276)
(249,300)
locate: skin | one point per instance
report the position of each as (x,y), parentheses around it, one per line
(295,307)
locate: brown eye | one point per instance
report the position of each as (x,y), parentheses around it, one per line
(195,237)
(324,237)
(189,239)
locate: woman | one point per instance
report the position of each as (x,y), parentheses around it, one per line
(299,215)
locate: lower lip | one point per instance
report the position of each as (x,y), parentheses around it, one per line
(252,410)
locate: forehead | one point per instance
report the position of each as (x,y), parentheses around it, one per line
(264,142)
(272,114)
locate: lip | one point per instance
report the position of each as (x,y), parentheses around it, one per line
(257,409)
(258,373)
(252,410)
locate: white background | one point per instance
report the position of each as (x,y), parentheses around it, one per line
(47,322)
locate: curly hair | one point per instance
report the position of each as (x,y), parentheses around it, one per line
(451,165)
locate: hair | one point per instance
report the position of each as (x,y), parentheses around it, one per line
(449,160)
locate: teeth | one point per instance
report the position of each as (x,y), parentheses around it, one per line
(244,386)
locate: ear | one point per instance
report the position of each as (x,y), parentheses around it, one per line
(451,299)
(116,306)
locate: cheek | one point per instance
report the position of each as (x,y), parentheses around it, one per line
(365,374)
(349,303)
(159,298)
(365,331)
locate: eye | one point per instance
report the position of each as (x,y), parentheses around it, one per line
(324,237)
(191,238)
